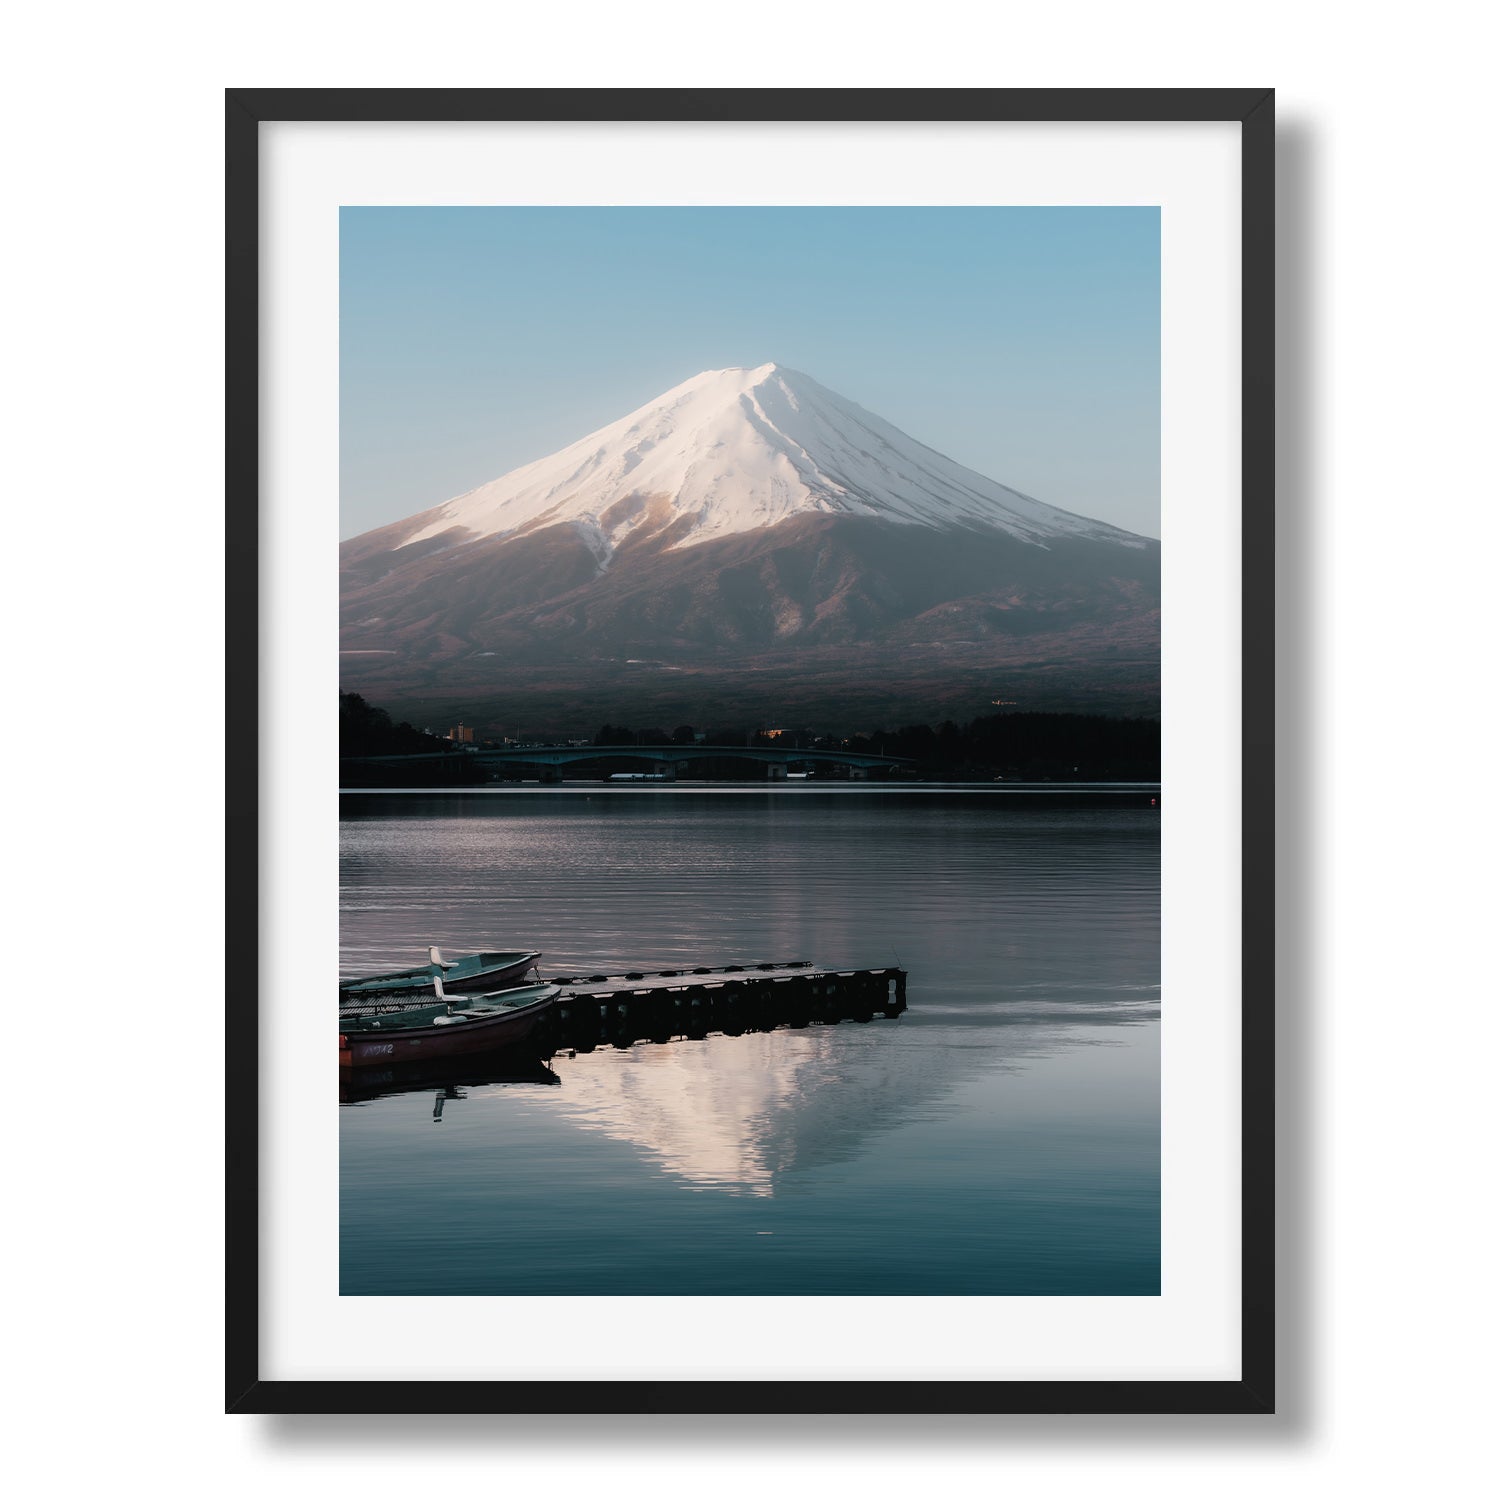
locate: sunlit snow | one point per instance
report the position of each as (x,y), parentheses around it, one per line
(737,450)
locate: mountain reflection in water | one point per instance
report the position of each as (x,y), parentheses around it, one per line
(1000,1137)
(739,1113)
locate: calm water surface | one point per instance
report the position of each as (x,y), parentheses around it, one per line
(999,1138)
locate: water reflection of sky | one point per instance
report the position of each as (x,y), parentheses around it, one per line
(1001,1136)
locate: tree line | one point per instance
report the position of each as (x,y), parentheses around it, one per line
(1056,746)
(367,730)
(1081,746)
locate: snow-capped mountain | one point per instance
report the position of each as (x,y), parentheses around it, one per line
(747,520)
(738,450)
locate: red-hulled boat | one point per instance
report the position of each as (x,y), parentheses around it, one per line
(374,1033)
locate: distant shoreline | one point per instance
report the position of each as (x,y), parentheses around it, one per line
(1147,793)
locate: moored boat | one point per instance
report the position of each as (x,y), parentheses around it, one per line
(473,972)
(373,1033)
(519,1065)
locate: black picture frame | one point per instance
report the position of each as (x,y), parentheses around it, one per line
(1254,1391)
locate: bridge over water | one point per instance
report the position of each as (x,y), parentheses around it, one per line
(664,761)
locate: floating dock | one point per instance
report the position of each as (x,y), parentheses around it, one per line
(668,1005)
(618,1009)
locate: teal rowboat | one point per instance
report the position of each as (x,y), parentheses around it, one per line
(473,972)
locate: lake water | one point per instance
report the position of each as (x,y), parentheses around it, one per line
(1001,1137)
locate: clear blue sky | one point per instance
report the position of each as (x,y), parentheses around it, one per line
(1023,342)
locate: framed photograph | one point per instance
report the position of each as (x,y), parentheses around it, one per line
(789,578)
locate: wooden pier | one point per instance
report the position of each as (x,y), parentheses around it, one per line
(618,1009)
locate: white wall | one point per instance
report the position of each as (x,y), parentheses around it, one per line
(1388,497)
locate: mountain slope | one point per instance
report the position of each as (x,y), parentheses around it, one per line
(738,450)
(746,517)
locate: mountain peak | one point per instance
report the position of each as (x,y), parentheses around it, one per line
(741,449)
(728,383)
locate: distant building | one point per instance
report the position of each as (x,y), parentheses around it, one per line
(461,735)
